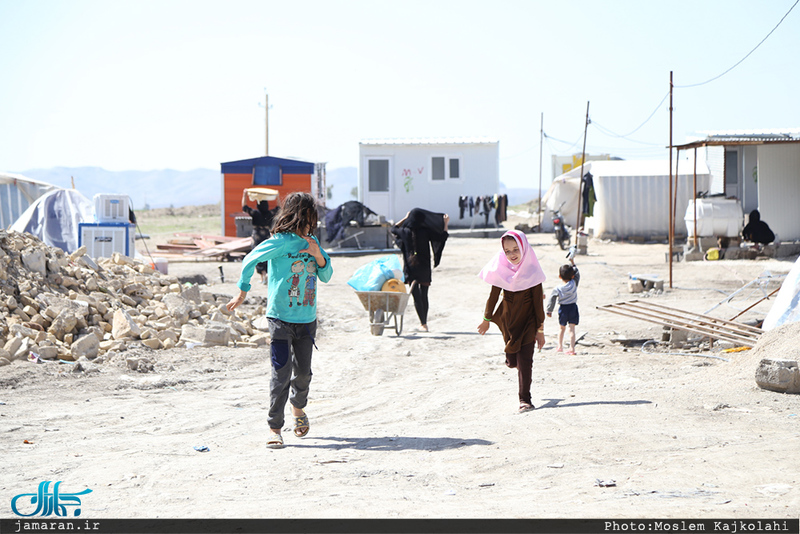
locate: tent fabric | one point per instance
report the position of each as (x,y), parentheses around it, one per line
(632,196)
(786,308)
(17,193)
(54,218)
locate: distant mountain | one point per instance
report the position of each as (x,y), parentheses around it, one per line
(169,188)
(154,189)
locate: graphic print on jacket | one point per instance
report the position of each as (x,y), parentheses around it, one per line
(310,284)
(310,294)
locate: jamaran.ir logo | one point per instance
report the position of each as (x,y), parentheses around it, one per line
(48,503)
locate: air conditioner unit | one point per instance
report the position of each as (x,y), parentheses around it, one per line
(111,208)
(102,240)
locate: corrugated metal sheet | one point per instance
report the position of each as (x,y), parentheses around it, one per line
(16,194)
(629,206)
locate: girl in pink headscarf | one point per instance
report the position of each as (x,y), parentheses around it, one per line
(520,315)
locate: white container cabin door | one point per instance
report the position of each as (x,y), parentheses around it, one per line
(379,186)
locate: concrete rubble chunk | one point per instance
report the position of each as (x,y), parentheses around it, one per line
(35,261)
(49,352)
(212,333)
(124,327)
(781,375)
(88,346)
(64,323)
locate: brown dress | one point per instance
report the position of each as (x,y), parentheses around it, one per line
(518,315)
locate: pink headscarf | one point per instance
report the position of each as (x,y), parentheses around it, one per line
(502,273)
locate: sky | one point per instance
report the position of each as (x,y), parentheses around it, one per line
(169,84)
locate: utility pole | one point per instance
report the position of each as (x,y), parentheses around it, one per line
(266,127)
(671,219)
(580,178)
(541,140)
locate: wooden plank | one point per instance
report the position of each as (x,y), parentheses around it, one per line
(709,332)
(702,317)
(710,322)
(692,322)
(239,245)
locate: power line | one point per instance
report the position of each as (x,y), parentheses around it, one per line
(745,57)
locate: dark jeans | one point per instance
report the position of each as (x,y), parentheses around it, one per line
(291,347)
(420,294)
(523,361)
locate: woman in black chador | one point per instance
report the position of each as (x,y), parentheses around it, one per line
(418,234)
(757,230)
(262,225)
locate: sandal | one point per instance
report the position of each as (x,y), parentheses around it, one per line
(525,407)
(275,442)
(570,353)
(301,426)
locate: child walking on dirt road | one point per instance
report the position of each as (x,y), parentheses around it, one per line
(294,256)
(520,316)
(567,296)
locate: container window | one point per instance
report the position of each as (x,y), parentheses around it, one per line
(378,170)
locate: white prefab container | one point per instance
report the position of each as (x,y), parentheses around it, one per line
(102,240)
(111,208)
(716,217)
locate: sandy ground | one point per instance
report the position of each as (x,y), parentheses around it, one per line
(426,425)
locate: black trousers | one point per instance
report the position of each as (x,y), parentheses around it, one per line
(420,294)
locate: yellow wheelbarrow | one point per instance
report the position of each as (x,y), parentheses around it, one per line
(384,307)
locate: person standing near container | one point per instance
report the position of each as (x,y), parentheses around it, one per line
(292,316)
(262,223)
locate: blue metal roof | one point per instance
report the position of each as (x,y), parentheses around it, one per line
(287,166)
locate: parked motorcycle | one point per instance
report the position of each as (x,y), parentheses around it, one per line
(561,229)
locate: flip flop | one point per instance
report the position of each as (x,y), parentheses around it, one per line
(301,426)
(275,442)
(525,407)
(570,353)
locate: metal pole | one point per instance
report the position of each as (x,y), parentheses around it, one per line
(675,199)
(671,236)
(580,178)
(695,197)
(266,127)
(541,140)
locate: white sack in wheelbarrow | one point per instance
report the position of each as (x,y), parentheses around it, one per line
(786,308)
(373,275)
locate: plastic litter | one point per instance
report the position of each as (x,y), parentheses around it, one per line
(372,276)
(201,448)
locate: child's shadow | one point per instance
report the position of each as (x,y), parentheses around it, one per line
(557,403)
(395,443)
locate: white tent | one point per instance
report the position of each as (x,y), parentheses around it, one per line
(54,218)
(16,194)
(786,308)
(632,197)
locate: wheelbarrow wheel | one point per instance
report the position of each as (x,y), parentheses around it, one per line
(377,325)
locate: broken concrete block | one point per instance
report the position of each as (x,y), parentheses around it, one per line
(49,352)
(209,334)
(153,343)
(124,326)
(35,261)
(64,323)
(87,345)
(635,286)
(192,293)
(778,375)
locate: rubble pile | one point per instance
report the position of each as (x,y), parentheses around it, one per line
(58,306)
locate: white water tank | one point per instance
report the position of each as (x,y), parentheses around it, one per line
(716,217)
